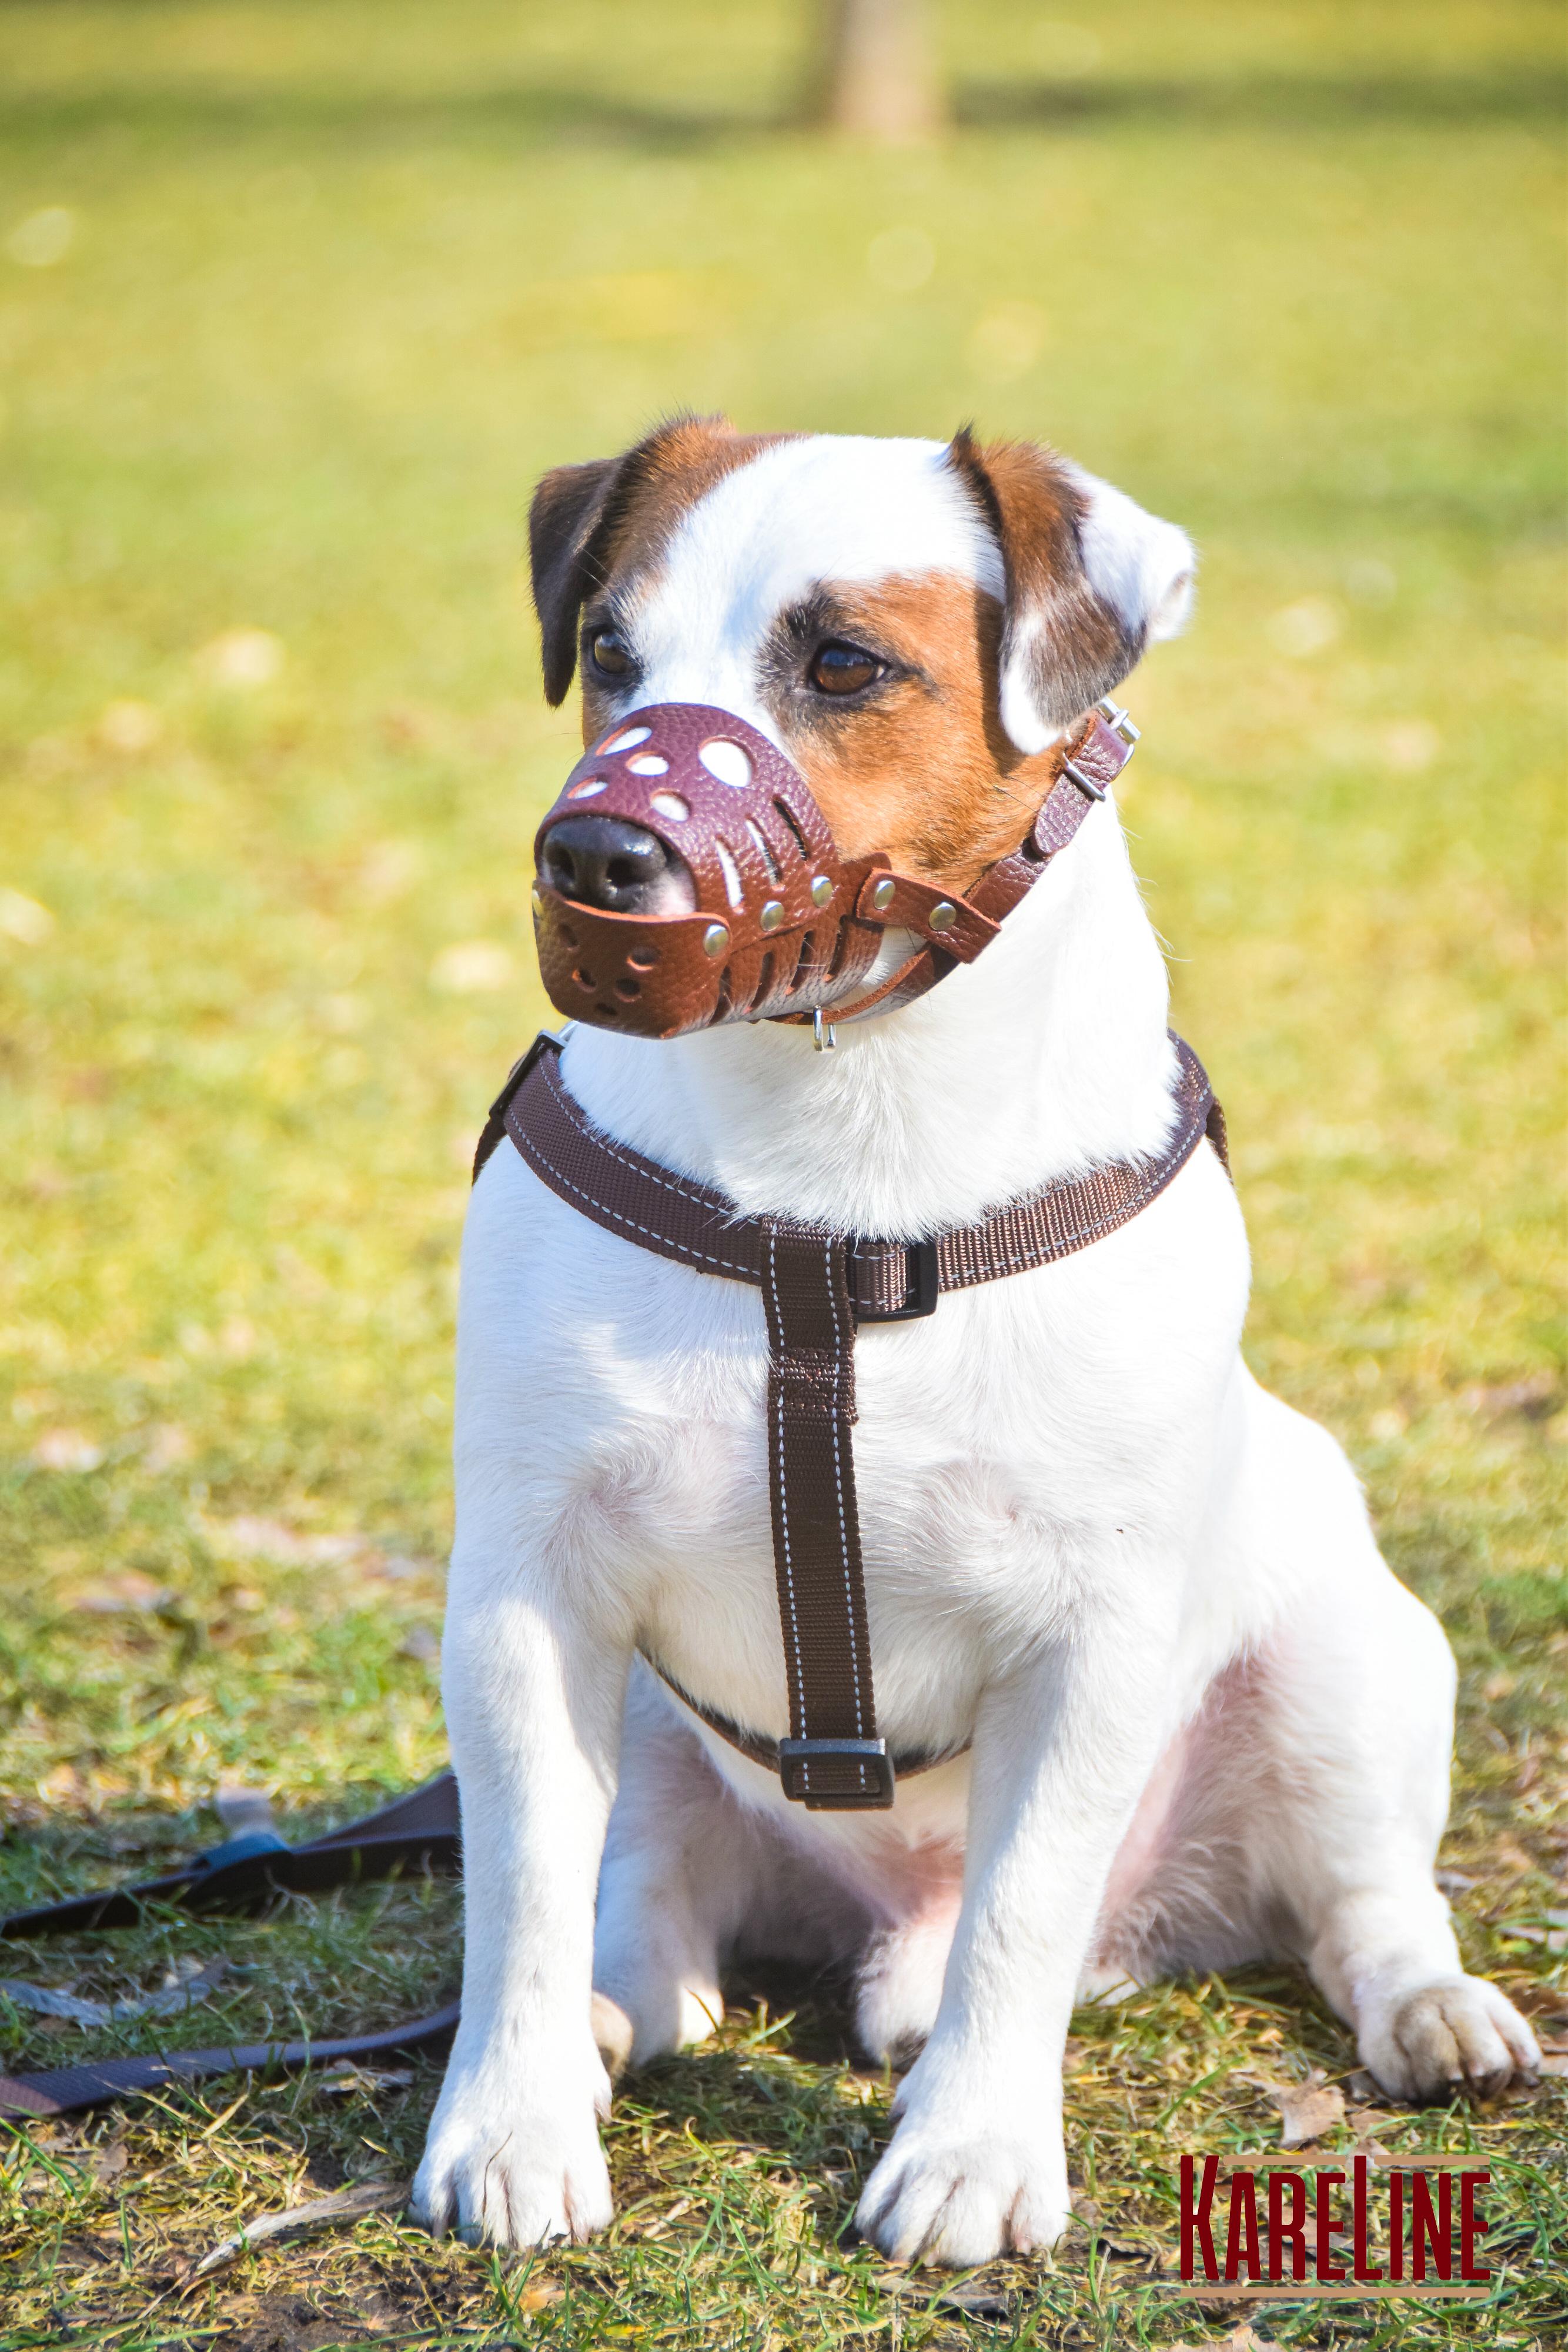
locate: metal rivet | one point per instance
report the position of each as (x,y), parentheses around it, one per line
(715,939)
(821,890)
(772,915)
(882,897)
(538,902)
(942,917)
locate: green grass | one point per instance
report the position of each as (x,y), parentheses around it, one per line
(342,280)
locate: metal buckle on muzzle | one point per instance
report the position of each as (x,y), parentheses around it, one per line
(774,929)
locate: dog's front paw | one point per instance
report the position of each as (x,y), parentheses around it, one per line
(1458,2033)
(962,2197)
(512,2172)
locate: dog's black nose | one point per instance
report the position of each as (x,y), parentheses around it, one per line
(603,861)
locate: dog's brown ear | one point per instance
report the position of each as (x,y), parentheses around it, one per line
(578,512)
(563,521)
(1091,580)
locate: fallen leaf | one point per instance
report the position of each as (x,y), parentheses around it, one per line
(108,2162)
(1533,1396)
(130,726)
(24,918)
(1306,628)
(348,2081)
(536,2298)
(49,2000)
(1244,2339)
(167,1445)
(66,1449)
(326,2213)
(249,1538)
(1307,2109)
(242,657)
(472,968)
(128,1595)
(973,2302)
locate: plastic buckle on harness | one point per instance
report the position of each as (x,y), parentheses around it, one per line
(240,1849)
(524,1064)
(925,1278)
(862,1769)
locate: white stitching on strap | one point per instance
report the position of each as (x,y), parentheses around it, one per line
(541,1162)
(772,1245)
(839,1486)
(574,1111)
(1078,1237)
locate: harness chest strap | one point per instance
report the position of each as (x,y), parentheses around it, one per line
(817,1286)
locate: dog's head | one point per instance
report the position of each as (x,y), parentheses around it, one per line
(898,634)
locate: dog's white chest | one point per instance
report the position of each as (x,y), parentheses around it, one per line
(1030,1438)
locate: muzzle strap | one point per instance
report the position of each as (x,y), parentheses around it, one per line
(833,1757)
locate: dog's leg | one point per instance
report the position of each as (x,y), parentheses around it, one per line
(1354,1730)
(899,1990)
(534,1705)
(1062,1750)
(692,1876)
(679,1862)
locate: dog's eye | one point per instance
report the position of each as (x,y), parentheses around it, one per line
(610,652)
(838,668)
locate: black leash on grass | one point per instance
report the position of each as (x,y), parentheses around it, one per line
(416,1832)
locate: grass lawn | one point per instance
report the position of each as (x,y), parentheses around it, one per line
(296,300)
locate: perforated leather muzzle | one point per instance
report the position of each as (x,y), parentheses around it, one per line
(783,927)
(773,928)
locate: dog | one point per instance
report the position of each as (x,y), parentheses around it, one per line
(1205,1724)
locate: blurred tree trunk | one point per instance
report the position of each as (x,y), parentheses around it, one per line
(875,73)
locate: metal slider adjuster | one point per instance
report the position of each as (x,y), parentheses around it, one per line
(1117,720)
(873,1768)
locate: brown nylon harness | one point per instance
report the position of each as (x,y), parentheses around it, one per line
(818,1286)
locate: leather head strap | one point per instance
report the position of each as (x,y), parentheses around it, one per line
(784,927)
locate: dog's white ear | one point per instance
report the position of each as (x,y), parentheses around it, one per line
(1091,580)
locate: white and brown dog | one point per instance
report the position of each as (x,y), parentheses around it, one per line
(1208,1725)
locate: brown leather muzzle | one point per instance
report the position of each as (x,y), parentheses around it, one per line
(774,929)
(782,926)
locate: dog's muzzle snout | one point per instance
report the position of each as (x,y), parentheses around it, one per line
(687,877)
(620,868)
